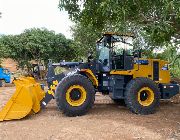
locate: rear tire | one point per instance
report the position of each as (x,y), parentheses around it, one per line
(142,96)
(2,83)
(66,92)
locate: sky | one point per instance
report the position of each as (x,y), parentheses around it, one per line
(18,15)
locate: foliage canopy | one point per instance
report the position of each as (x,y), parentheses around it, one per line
(159,18)
(36,44)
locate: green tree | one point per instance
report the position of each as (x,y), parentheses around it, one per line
(159,18)
(85,38)
(37,44)
(172,55)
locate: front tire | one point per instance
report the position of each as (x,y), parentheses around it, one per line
(142,96)
(75,95)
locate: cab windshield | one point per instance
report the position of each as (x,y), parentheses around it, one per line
(121,44)
(6,71)
(103,55)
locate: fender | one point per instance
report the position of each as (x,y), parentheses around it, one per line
(91,76)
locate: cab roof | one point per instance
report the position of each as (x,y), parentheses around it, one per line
(120,34)
(115,33)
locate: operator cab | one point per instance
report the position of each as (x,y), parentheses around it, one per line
(115,52)
(6,71)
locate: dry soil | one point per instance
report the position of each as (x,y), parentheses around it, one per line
(105,120)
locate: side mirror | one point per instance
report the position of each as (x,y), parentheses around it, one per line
(90,56)
(137,53)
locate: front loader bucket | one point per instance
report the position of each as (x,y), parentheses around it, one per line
(25,100)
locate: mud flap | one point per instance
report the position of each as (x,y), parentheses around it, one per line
(25,101)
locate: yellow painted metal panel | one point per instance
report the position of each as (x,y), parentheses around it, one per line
(147,71)
(91,76)
(122,72)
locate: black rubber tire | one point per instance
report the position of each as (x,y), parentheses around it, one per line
(60,95)
(131,95)
(2,83)
(120,102)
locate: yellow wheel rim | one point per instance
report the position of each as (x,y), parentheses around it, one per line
(76,95)
(145,96)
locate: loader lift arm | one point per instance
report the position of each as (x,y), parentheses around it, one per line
(54,78)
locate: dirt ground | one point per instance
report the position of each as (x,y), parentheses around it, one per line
(105,120)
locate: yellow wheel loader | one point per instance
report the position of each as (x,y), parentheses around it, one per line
(118,71)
